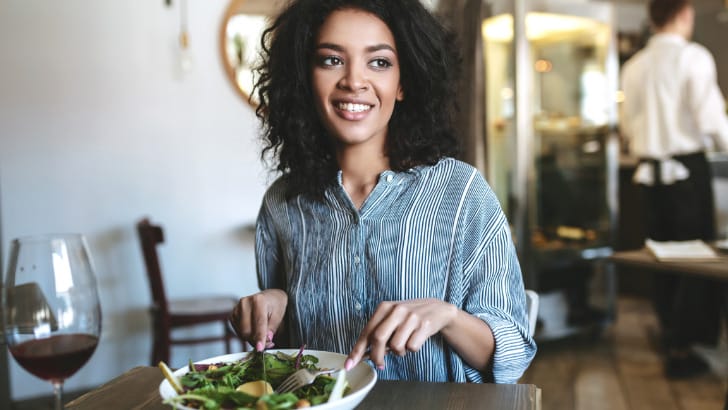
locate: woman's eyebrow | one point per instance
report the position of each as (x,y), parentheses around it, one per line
(370,49)
(379,47)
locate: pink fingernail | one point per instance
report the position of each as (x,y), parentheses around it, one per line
(348,364)
(380,367)
(269,345)
(259,347)
(269,336)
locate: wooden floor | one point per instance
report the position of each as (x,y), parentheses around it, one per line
(618,370)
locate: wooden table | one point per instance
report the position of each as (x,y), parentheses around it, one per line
(642,258)
(139,389)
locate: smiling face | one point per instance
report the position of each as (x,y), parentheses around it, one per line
(355,77)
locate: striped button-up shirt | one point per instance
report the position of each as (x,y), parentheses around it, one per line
(432,232)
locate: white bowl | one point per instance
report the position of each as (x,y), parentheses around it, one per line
(361,378)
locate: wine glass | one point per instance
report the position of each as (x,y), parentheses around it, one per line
(52,311)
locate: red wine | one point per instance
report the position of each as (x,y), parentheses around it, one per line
(56,357)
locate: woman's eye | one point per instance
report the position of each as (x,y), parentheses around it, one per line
(380,63)
(329,60)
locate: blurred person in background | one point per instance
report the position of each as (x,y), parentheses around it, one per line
(673,112)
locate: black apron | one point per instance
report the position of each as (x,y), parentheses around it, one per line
(688,307)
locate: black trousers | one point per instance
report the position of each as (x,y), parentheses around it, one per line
(688,308)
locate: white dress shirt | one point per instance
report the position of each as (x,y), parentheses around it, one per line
(672,105)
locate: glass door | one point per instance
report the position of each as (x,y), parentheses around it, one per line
(550,107)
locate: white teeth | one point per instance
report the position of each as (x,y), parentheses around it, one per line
(351,107)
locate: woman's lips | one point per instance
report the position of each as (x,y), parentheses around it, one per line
(352,111)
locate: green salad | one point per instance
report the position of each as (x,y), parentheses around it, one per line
(249,383)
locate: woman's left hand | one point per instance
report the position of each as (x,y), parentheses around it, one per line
(400,327)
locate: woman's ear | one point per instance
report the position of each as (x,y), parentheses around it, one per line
(400,93)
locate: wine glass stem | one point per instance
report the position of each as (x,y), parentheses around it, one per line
(58,395)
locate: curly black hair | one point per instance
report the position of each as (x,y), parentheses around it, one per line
(421,128)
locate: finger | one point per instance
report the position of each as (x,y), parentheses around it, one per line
(244,320)
(417,339)
(239,319)
(234,318)
(400,339)
(374,337)
(356,354)
(276,301)
(269,339)
(260,321)
(362,343)
(377,351)
(380,338)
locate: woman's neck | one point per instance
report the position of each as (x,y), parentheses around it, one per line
(360,168)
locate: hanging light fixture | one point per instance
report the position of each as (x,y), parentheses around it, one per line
(184,39)
(185,55)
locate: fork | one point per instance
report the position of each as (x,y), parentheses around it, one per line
(300,378)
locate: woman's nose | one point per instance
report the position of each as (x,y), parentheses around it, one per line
(354,79)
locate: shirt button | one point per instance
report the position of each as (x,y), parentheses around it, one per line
(388,178)
(357,306)
(356,260)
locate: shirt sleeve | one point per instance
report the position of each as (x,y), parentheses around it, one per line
(495,290)
(706,100)
(267,249)
(624,126)
(631,107)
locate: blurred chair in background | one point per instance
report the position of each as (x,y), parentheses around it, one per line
(531,310)
(168,315)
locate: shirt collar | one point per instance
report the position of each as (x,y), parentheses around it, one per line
(668,38)
(387,176)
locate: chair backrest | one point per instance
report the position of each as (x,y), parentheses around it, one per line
(150,236)
(531,310)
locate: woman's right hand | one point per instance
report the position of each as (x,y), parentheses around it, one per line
(256,317)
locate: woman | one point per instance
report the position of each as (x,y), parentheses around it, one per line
(374,239)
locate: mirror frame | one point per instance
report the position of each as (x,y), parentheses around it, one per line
(261,7)
(230,11)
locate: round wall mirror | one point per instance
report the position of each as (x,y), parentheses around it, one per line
(240,34)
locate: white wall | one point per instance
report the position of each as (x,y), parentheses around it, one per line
(97,129)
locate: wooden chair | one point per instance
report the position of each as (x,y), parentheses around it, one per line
(168,315)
